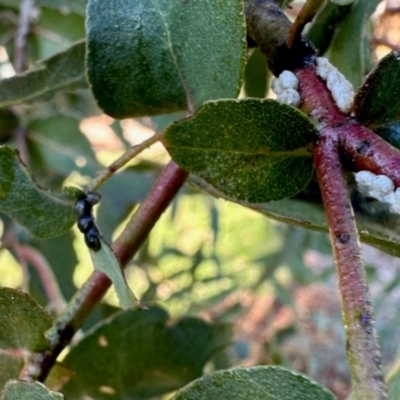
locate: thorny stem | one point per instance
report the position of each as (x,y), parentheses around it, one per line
(125,247)
(105,174)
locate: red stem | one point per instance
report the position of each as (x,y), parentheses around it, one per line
(127,244)
(368,151)
(338,132)
(362,345)
(364,149)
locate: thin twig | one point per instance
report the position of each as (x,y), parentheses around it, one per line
(46,275)
(106,173)
(21,34)
(125,247)
(306,14)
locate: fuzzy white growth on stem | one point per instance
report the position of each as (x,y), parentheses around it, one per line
(285,87)
(340,88)
(364,181)
(379,187)
(290,97)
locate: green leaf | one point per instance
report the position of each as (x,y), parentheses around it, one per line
(18,390)
(390,132)
(105,261)
(342,2)
(68,26)
(62,72)
(380,230)
(393,381)
(138,354)
(153,57)
(256,75)
(62,267)
(22,321)
(252,150)
(58,376)
(378,100)
(347,48)
(45,214)
(77,6)
(256,383)
(10,367)
(325,24)
(22,326)
(61,146)
(377,227)
(8,123)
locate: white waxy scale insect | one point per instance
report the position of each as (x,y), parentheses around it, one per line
(364,181)
(288,80)
(276,86)
(379,187)
(290,97)
(382,186)
(340,88)
(285,87)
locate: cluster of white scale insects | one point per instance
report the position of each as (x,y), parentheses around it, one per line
(379,187)
(285,86)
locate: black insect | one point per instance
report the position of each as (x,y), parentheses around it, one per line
(83,209)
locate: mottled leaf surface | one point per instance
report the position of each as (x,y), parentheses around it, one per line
(22,326)
(105,261)
(10,367)
(378,100)
(45,214)
(139,354)
(153,57)
(22,321)
(256,383)
(252,150)
(21,390)
(62,72)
